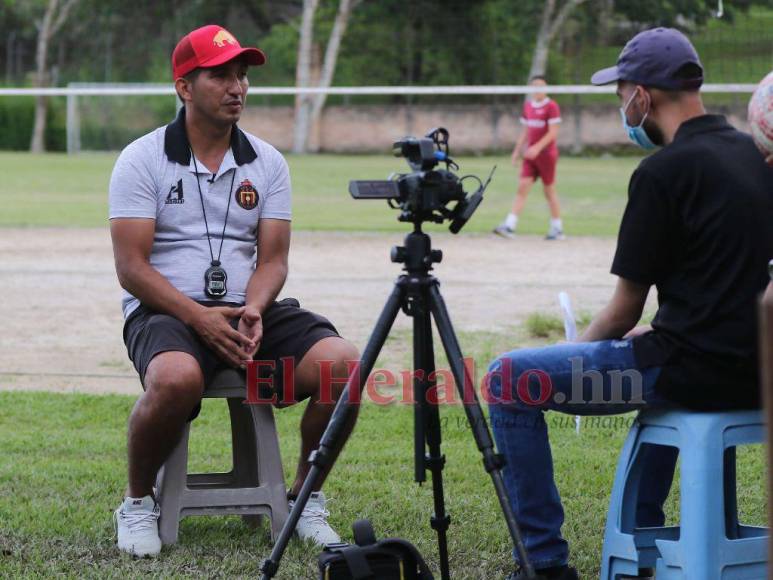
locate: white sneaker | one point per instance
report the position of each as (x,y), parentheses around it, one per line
(136,521)
(312,524)
(504,231)
(555,234)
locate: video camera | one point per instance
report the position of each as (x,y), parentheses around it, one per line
(424,194)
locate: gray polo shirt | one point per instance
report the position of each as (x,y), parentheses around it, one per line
(155,177)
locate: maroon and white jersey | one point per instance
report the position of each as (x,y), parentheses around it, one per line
(538,116)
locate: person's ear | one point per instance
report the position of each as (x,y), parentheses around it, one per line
(643,99)
(183,88)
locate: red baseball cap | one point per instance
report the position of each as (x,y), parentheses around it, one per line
(210,46)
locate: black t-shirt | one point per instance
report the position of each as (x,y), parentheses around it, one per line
(699,226)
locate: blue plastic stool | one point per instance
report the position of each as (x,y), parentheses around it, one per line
(709,543)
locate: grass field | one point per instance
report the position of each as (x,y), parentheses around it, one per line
(62,472)
(57,190)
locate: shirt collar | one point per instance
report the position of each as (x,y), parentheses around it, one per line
(178,149)
(540,104)
(701,124)
(226,165)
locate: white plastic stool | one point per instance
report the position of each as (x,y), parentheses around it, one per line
(254,487)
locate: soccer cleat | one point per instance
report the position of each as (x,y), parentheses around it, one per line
(504,231)
(136,522)
(312,524)
(560,573)
(555,234)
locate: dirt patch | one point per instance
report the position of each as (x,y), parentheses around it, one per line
(62,319)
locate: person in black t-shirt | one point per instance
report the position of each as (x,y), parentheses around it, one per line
(697,227)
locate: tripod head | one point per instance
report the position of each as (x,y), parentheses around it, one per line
(427,194)
(417,253)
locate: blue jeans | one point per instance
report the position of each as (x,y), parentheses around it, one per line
(592,378)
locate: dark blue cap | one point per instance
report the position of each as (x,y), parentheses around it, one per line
(653,58)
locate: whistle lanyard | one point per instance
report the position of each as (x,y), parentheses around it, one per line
(215,262)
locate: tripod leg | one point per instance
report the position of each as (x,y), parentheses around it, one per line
(427,425)
(491,460)
(320,458)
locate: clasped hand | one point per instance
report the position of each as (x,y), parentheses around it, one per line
(233,346)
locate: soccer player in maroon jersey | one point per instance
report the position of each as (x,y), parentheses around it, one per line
(541,116)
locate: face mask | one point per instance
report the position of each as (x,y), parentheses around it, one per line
(636,134)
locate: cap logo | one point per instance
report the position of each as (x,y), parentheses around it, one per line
(222,38)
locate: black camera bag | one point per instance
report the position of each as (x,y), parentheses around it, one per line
(368,559)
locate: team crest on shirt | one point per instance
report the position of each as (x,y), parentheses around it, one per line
(246,195)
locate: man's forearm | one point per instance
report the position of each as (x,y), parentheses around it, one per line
(153,290)
(605,327)
(265,284)
(546,140)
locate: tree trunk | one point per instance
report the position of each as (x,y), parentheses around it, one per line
(10,42)
(303,103)
(53,19)
(38,145)
(308,108)
(539,57)
(550,24)
(605,21)
(331,57)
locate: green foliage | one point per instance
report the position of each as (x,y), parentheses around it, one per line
(551,326)
(737,49)
(56,126)
(676,12)
(389,42)
(17,115)
(110,124)
(16,118)
(540,325)
(281,47)
(437,42)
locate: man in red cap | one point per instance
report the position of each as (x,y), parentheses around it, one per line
(200,222)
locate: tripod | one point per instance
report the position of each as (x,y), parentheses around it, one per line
(417,293)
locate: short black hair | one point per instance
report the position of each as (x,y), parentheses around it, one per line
(538,78)
(691,76)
